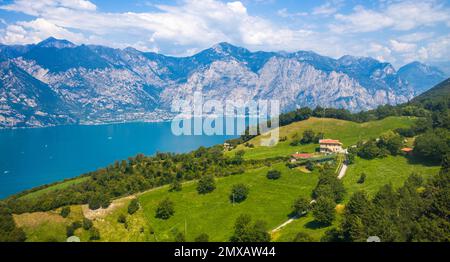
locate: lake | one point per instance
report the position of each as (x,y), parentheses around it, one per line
(33,157)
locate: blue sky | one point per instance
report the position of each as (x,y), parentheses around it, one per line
(398,31)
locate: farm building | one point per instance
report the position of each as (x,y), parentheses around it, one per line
(298,156)
(330,146)
(407,150)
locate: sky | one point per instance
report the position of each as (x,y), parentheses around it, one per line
(396,31)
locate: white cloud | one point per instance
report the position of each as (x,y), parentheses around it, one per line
(36,30)
(402,16)
(194,24)
(285,13)
(416,36)
(328,8)
(402,47)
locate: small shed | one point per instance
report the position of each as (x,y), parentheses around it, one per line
(407,150)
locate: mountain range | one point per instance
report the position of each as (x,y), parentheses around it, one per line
(56,82)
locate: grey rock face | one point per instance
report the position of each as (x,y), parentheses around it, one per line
(56,82)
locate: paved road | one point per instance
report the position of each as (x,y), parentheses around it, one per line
(342,172)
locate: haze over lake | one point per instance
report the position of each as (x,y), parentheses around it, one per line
(33,157)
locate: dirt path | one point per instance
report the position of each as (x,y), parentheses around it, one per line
(289,220)
(340,176)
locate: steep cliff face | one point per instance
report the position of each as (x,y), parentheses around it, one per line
(95,84)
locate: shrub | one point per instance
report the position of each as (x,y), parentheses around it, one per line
(94,234)
(303,237)
(176,186)
(65,211)
(133,206)
(362,178)
(300,206)
(70,230)
(273,174)
(122,219)
(180,237)
(310,165)
(165,209)
(239,193)
(203,237)
(245,231)
(87,224)
(206,184)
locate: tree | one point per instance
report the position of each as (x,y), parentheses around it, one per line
(94,234)
(239,193)
(206,184)
(310,165)
(362,178)
(300,206)
(324,210)
(308,137)
(358,204)
(273,174)
(65,211)
(176,186)
(432,145)
(303,237)
(203,237)
(98,200)
(179,236)
(122,219)
(70,230)
(369,150)
(165,209)
(133,206)
(318,137)
(354,229)
(87,224)
(245,231)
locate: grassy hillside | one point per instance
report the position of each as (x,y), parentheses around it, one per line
(215,215)
(437,93)
(347,132)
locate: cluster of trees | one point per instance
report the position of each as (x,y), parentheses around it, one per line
(388,143)
(135,175)
(433,144)
(328,192)
(9,232)
(246,231)
(418,211)
(308,137)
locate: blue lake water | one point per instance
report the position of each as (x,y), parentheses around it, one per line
(33,157)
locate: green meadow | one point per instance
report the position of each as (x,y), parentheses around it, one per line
(268,200)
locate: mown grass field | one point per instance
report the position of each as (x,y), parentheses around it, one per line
(61,185)
(269,200)
(215,214)
(381,171)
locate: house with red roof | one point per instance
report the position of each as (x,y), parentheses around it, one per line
(407,150)
(330,146)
